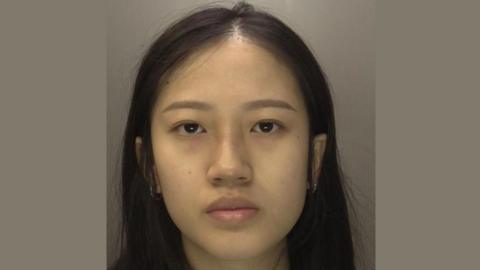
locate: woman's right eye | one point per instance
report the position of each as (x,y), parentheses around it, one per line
(189,129)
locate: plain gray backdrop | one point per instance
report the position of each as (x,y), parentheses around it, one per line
(341,35)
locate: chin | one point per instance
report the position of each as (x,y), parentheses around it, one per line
(234,252)
(246,248)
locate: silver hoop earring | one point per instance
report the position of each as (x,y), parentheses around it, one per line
(148,178)
(154,194)
(311,187)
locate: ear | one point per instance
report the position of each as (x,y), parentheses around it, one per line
(319,144)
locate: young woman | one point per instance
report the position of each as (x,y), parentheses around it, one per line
(230,157)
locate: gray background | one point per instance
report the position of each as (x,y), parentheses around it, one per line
(340,34)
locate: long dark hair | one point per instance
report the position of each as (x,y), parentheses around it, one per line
(321,238)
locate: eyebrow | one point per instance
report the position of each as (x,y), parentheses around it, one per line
(251,105)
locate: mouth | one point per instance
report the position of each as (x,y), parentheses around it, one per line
(236,215)
(232,210)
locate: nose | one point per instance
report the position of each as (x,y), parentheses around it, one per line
(229,163)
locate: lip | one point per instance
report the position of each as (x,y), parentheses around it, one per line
(232,211)
(233,216)
(230,204)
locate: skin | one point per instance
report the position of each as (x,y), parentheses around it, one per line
(227,154)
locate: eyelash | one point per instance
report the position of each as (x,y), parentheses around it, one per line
(275,123)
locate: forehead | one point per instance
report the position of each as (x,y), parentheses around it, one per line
(229,73)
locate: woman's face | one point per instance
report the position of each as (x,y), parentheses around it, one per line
(231,122)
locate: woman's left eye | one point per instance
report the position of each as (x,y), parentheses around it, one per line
(266,127)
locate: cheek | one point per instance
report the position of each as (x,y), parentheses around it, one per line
(179,162)
(177,156)
(290,189)
(178,181)
(282,178)
(180,193)
(176,177)
(288,164)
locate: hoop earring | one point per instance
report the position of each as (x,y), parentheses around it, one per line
(313,189)
(153,194)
